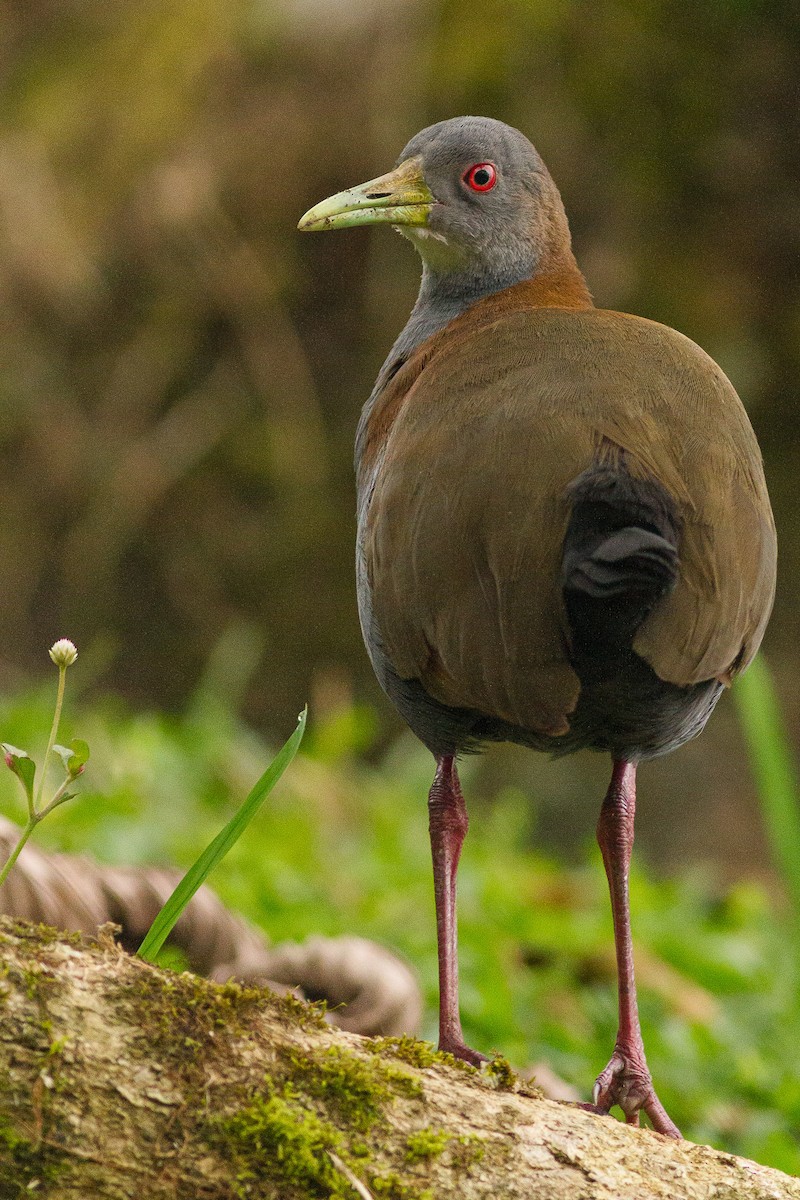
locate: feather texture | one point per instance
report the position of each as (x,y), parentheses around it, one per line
(469,459)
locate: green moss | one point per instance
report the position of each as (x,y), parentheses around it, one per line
(319,1101)
(281,1148)
(37,983)
(176,1011)
(35,1031)
(25,1165)
(499,1069)
(33,978)
(183,1012)
(416,1053)
(185,1023)
(409,1049)
(468,1149)
(445,1059)
(392,1187)
(43,935)
(357,1089)
(426,1143)
(304,1013)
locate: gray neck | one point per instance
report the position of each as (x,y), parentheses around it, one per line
(442,298)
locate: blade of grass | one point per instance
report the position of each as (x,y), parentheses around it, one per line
(217,849)
(774,769)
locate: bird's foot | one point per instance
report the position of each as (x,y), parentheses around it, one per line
(626,1083)
(458,1049)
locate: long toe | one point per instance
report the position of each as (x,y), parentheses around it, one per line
(626,1084)
(459,1050)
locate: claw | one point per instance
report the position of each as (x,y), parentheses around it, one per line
(626,1083)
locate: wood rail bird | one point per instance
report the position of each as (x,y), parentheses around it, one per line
(564,534)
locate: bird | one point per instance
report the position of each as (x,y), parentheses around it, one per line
(564,536)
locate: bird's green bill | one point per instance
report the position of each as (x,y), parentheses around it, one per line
(400,198)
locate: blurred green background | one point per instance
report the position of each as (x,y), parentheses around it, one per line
(182,372)
(181,375)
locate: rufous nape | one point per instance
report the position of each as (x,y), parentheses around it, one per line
(564,534)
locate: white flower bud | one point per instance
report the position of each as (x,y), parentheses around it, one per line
(63,652)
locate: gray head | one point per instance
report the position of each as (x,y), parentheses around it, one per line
(474,197)
(497,212)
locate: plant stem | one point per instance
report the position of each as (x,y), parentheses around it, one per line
(62,676)
(33,821)
(60,796)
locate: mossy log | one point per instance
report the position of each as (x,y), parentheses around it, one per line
(121,1081)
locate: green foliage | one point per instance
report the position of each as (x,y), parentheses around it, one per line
(74,756)
(341,847)
(23,766)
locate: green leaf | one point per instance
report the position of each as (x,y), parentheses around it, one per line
(775,770)
(197,874)
(74,756)
(22,765)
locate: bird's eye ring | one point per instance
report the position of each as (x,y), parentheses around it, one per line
(481,177)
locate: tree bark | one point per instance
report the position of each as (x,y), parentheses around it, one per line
(121,1081)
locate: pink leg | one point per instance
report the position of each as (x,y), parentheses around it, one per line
(626,1081)
(448,827)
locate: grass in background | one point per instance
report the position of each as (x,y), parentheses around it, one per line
(774,770)
(341,847)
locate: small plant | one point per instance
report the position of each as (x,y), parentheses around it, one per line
(73,758)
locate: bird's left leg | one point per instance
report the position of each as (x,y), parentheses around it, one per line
(448,827)
(626,1080)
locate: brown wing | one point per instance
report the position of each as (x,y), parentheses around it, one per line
(469,509)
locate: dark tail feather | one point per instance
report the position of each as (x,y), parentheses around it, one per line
(630,561)
(620,557)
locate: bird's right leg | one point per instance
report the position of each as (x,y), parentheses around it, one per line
(448,825)
(626,1081)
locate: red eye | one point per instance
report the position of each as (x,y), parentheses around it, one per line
(482,177)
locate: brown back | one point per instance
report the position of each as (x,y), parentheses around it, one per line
(474,443)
